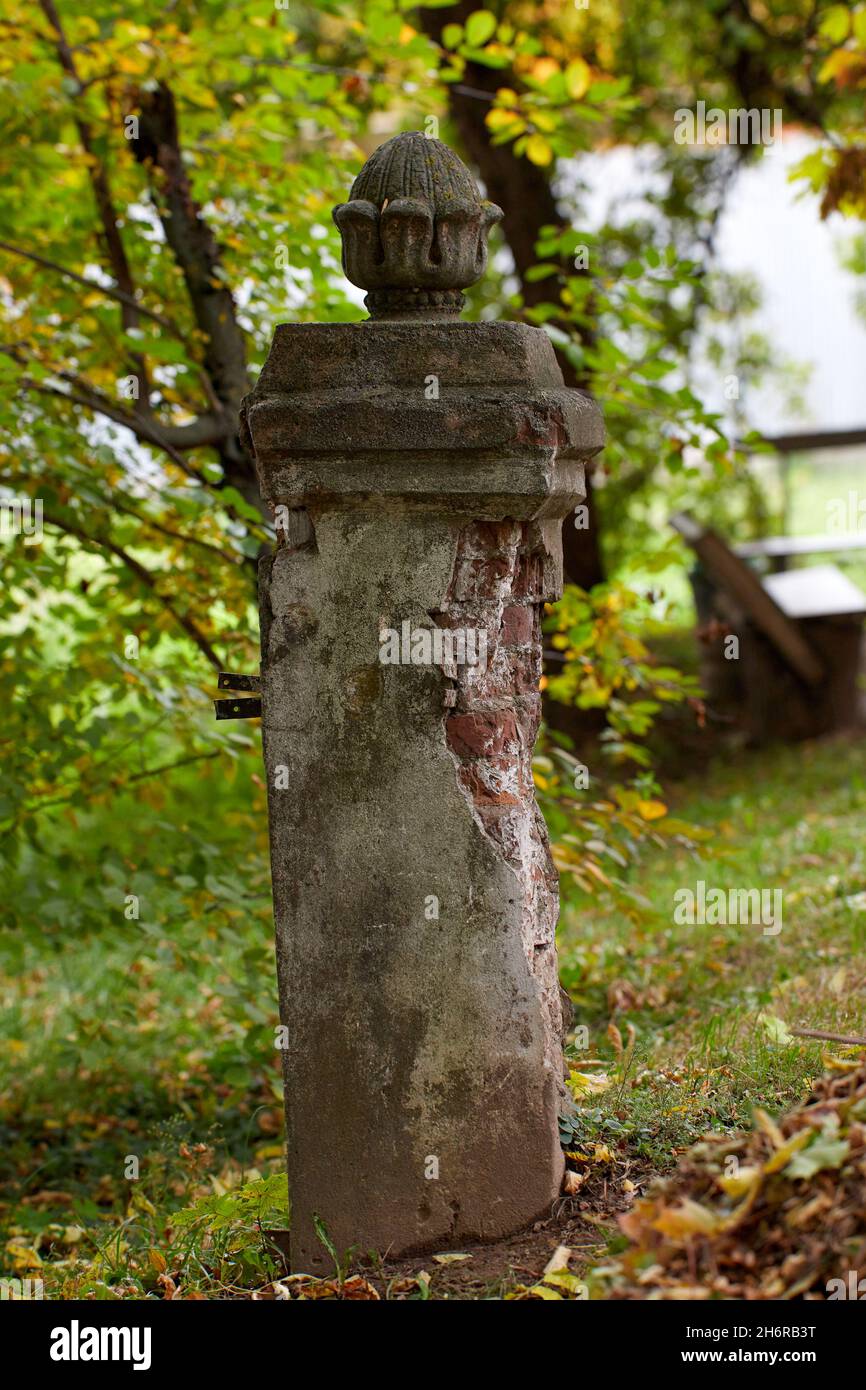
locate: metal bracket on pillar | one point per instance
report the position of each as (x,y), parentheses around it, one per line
(238,708)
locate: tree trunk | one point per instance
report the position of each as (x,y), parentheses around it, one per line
(524,193)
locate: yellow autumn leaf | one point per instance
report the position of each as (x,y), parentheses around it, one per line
(580,1082)
(129,63)
(844,67)
(781,1156)
(841,1063)
(538,151)
(269,1151)
(688,1219)
(561,1279)
(835,23)
(544,69)
(739,1183)
(141,1203)
(22,1256)
(500,117)
(577,78)
(128,32)
(651,810)
(769,1127)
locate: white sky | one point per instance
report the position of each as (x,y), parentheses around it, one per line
(773,229)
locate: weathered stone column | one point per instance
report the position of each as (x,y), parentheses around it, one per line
(420,467)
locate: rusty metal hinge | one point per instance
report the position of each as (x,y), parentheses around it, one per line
(237,708)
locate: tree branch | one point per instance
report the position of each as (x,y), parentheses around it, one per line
(36,807)
(196,253)
(149,522)
(105,206)
(828,1037)
(99,180)
(195,249)
(110,291)
(172,439)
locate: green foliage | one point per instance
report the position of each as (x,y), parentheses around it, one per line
(599,826)
(598,840)
(608,666)
(254,1206)
(698,997)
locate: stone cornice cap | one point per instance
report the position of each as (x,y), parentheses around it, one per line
(414,230)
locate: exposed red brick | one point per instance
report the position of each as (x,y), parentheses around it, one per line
(490,538)
(518,625)
(497,819)
(529,577)
(492,782)
(529,719)
(479,578)
(527,671)
(482,734)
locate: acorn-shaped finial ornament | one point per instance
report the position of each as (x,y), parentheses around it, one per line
(414,229)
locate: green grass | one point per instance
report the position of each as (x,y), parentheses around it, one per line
(138,1074)
(788,818)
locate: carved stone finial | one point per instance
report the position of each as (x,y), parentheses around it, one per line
(414,230)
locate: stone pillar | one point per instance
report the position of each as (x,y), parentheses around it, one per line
(420,468)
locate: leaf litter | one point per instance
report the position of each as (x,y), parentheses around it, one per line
(778,1212)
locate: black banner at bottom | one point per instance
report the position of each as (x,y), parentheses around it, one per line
(177,1338)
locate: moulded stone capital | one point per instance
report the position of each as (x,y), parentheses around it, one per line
(316,356)
(458,416)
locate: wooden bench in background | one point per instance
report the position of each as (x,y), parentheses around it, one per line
(793,672)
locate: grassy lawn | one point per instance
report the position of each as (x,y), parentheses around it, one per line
(788,818)
(158,1047)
